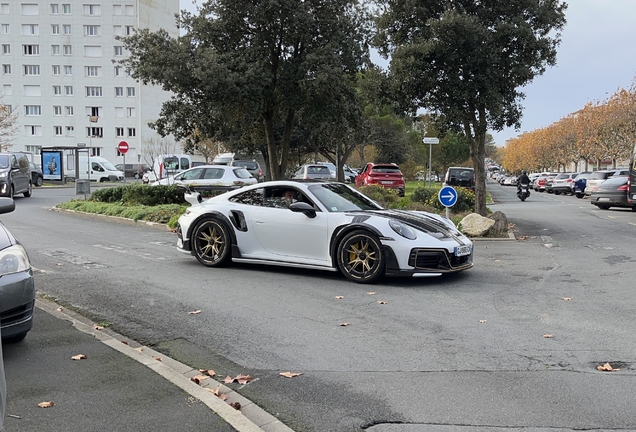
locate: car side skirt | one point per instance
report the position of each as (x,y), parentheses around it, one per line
(283,264)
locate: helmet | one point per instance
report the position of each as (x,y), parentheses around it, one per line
(523,172)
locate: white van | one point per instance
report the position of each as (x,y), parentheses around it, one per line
(167,165)
(96,168)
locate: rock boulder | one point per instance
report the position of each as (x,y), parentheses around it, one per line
(475,225)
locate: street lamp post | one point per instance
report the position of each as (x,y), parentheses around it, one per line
(91,119)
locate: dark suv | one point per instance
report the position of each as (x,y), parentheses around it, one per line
(460,176)
(15,175)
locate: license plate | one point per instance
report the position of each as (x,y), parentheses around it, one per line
(463,250)
(179,243)
(386,182)
(603,199)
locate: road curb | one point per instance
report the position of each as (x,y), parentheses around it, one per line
(250,418)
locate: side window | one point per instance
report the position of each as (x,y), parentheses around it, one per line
(192,174)
(213,173)
(252,197)
(14,162)
(185,163)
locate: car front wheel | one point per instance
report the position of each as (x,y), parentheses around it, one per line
(360,257)
(211,243)
(39,181)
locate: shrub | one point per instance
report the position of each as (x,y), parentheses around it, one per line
(386,197)
(137,194)
(429,196)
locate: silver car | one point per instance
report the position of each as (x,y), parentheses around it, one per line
(313,172)
(598,177)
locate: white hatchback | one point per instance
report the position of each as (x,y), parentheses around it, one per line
(221,176)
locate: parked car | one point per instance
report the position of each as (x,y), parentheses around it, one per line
(349,174)
(15,175)
(563,183)
(549,181)
(206,176)
(612,193)
(460,176)
(132,170)
(598,177)
(385,175)
(313,172)
(510,181)
(330,226)
(541,182)
(17,289)
(252,167)
(37,178)
(580,183)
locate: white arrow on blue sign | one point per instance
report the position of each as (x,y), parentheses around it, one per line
(447,196)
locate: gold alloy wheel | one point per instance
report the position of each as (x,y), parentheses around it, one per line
(211,243)
(360,257)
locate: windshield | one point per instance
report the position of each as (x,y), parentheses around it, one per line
(171,163)
(109,166)
(4,161)
(337,197)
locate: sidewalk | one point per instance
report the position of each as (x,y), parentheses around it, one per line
(120,386)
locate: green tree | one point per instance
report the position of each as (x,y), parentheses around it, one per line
(466,60)
(246,69)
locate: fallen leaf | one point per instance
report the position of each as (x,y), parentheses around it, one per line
(124,342)
(60,264)
(156,358)
(522,237)
(208,372)
(547,336)
(482,321)
(60,309)
(14,416)
(381,302)
(140,349)
(511,225)
(606,368)
(98,327)
(344,324)
(567,298)
(199,379)
(289,374)
(235,405)
(533,237)
(228,379)
(79,357)
(372,293)
(497,260)
(194,312)
(46,404)
(243,379)
(339,297)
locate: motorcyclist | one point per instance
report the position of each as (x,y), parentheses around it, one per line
(523,179)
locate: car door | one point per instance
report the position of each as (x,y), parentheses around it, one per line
(189,177)
(292,236)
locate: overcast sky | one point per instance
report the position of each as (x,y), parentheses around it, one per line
(597,56)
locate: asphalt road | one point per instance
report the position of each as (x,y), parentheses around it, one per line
(463,352)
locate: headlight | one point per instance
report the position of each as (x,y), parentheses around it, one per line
(4,173)
(402,229)
(13,259)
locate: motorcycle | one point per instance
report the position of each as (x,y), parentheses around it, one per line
(523,192)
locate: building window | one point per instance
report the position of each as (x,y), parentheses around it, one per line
(118,10)
(70,131)
(130,112)
(57,90)
(93,71)
(130,30)
(32,69)
(33,130)
(6,69)
(92,51)
(55,29)
(31,50)
(66,28)
(57,130)
(66,8)
(68,50)
(130,10)
(55,9)
(95,132)
(30,9)
(32,90)
(119,132)
(55,49)
(130,91)
(68,90)
(131,132)
(69,110)
(4,8)
(119,91)
(6,49)
(57,110)
(68,70)
(32,110)
(93,91)
(4,28)
(119,50)
(30,29)
(117,70)
(56,69)
(119,112)
(92,30)
(94,111)
(117,30)
(90,9)
(36,150)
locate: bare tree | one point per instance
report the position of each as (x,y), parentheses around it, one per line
(153,147)
(8,124)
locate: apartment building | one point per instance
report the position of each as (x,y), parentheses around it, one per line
(57,71)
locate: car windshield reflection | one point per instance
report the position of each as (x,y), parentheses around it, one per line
(337,197)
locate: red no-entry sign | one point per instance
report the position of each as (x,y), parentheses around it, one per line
(122,147)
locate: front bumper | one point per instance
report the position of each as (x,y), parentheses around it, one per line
(17,300)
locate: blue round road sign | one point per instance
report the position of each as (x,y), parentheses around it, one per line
(447,196)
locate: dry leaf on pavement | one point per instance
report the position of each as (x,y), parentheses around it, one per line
(482,321)
(46,404)
(199,379)
(547,336)
(344,324)
(381,302)
(339,297)
(140,349)
(98,327)
(289,374)
(243,379)
(235,405)
(567,298)
(79,357)
(60,309)
(372,293)
(606,368)
(198,311)
(209,372)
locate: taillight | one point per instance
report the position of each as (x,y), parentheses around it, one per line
(306,177)
(623,188)
(260,172)
(568,180)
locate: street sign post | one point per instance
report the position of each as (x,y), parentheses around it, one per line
(123,148)
(430,141)
(447,197)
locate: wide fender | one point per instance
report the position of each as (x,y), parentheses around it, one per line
(342,230)
(214,215)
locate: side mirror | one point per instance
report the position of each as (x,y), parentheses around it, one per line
(303,207)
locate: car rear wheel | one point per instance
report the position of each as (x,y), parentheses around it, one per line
(39,181)
(211,243)
(604,207)
(579,195)
(29,191)
(360,257)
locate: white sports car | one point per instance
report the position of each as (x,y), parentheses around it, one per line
(320,225)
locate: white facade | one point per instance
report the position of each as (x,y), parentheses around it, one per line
(56,68)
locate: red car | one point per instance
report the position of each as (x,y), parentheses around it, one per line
(386,175)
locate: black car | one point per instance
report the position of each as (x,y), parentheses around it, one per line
(17,289)
(612,193)
(37,178)
(15,175)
